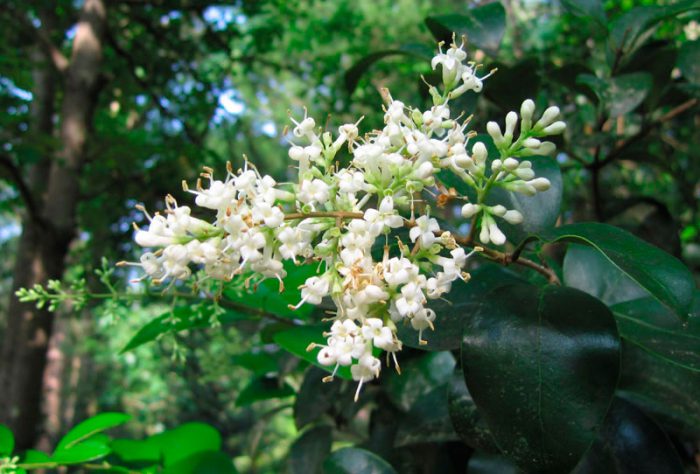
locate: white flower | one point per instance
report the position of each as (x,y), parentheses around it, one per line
(411,300)
(314,289)
(381,220)
(451,62)
(313,191)
(424,231)
(381,336)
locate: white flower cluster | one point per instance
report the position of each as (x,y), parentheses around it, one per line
(346,219)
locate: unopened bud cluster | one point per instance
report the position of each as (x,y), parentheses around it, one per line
(345,219)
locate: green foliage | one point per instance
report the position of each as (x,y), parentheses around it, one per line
(542,365)
(528,376)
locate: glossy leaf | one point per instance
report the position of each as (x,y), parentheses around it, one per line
(315,397)
(500,90)
(82,452)
(542,365)
(631,28)
(418,376)
(297,339)
(355,73)
(91,427)
(629,443)
(427,421)
(539,211)
(466,419)
(588,270)
(356,461)
(664,390)
(484,463)
(263,388)
(308,452)
(260,363)
(648,324)
(484,26)
(135,451)
(689,61)
(456,307)
(7,441)
(660,274)
(626,92)
(184,441)
(586,8)
(207,462)
(179,319)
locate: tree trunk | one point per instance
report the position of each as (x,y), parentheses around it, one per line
(45,239)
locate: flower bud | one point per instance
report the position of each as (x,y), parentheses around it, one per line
(513,217)
(511,120)
(496,165)
(495,234)
(498,210)
(495,131)
(549,116)
(296,153)
(425,170)
(532,143)
(525,173)
(546,148)
(555,129)
(510,164)
(526,110)
(540,184)
(479,152)
(470,210)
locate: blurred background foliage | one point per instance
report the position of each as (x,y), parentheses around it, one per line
(191,83)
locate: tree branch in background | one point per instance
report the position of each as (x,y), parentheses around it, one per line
(59,61)
(15,175)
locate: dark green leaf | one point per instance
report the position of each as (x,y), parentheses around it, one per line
(309,450)
(91,427)
(689,61)
(484,26)
(456,308)
(297,339)
(179,319)
(207,462)
(427,421)
(418,376)
(483,463)
(626,92)
(662,275)
(630,29)
(466,419)
(260,363)
(82,452)
(356,461)
(263,388)
(499,88)
(540,211)
(355,73)
(588,270)
(629,443)
(586,8)
(542,365)
(653,327)
(7,441)
(315,397)
(664,390)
